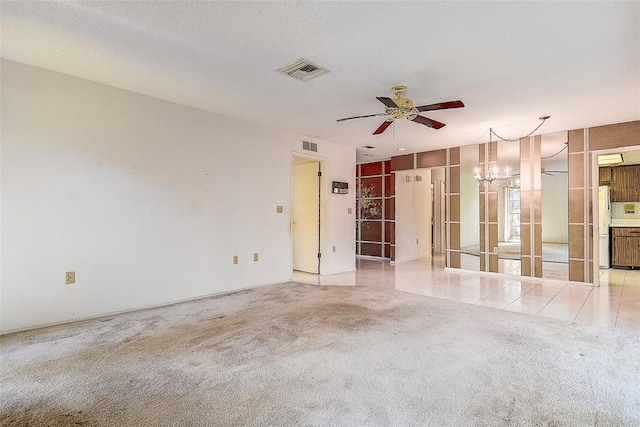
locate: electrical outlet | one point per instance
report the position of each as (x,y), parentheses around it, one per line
(255,256)
(235,259)
(70,277)
(334,249)
(349,211)
(278,209)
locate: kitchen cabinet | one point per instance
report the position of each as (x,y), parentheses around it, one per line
(625,183)
(604,175)
(625,246)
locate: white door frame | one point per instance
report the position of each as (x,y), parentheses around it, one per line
(439,217)
(595,183)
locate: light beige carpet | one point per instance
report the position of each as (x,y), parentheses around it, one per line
(293,354)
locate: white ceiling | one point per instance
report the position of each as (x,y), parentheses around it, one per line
(509,62)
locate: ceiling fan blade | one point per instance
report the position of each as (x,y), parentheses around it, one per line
(428,122)
(360,117)
(383,127)
(387,101)
(441,106)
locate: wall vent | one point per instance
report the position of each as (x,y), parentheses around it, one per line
(309,146)
(303,70)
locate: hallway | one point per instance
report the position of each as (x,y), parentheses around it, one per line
(615,304)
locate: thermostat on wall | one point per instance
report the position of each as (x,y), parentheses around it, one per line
(340,187)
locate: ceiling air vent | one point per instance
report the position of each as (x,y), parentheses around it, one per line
(309,146)
(303,70)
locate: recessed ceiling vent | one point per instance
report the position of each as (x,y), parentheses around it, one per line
(303,70)
(309,146)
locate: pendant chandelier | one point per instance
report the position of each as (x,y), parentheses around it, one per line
(492,173)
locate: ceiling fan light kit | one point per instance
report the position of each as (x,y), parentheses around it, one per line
(404,107)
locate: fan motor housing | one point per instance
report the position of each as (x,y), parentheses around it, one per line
(404,108)
(404,102)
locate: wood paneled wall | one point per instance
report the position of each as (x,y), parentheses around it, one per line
(581,143)
(578,206)
(530,207)
(488,211)
(452,189)
(376,235)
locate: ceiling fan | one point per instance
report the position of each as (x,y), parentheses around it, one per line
(403,107)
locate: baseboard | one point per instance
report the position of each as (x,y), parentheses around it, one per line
(131,310)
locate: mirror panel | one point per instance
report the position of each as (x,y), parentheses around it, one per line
(530,230)
(470,209)
(508,159)
(555,206)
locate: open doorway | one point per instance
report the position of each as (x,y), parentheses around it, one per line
(438,229)
(617,213)
(306,214)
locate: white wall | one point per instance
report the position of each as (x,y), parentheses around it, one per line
(146,200)
(413,213)
(339,223)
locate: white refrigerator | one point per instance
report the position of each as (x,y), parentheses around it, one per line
(604,215)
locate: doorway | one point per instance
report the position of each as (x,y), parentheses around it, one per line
(438,228)
(608,181)
(306,214)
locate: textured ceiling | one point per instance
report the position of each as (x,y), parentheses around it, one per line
(509,62)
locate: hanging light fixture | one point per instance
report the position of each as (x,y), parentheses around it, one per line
(492,174)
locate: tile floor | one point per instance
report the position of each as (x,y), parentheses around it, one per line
(615,304)
(551,270)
